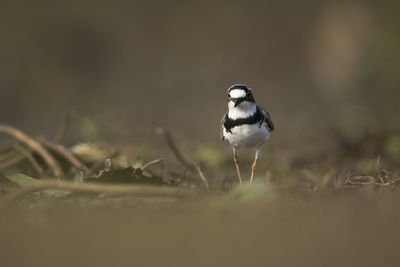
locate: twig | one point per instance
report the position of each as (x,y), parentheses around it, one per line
(361,179)
(267,177)
(377,169)
(63,151)
(107,168)
(135,190)
(202,177)
(151,163)
(99,164)
(35,146)
(373,183)
(172,145)
(58,139)
(11,161)
(9,154)
(27,154)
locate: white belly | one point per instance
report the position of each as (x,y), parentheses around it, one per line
(247,136)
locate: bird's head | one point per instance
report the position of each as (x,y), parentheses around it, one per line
(241,97)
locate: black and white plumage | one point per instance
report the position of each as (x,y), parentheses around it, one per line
(245,125)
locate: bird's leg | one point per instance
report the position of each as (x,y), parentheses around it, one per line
(235,157)
(253,167)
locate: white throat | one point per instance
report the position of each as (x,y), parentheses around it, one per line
(243,110)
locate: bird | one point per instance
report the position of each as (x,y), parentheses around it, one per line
(245,124)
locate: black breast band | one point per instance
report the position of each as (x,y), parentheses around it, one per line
(255,118)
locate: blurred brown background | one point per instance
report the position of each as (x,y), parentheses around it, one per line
(326,70)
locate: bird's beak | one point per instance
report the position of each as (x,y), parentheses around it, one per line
(238,101)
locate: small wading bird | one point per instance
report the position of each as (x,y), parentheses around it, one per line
(245,125)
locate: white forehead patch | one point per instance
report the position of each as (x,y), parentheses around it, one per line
(237,93)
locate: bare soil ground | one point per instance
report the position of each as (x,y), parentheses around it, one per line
(249,226)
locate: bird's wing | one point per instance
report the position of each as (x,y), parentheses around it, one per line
(221,132)
(267,119)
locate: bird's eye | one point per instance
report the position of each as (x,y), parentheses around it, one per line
(248,95)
